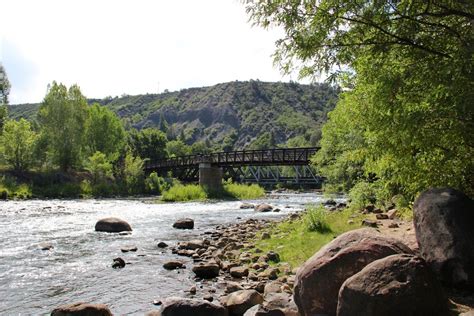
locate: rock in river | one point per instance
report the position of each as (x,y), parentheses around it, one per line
(82,309)
(112,225)
(206,270)
(172,265)
(263,208)
(184,223)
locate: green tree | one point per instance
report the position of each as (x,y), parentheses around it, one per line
(18,141)
(99,167)
(149,143)
(62,115)
(176,148)
(406,117)
(4,92)
(104,132)
(133,174)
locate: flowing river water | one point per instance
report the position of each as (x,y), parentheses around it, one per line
(78,268)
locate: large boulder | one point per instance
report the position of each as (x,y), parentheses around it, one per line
(184,223)
(175,306)
(320,277)
(444,226)
(206,270)
(394,285)
(82,309)
(112,225)
(240,301)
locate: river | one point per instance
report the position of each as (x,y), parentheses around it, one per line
(78,268)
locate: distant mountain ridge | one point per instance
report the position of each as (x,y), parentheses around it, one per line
(227,115)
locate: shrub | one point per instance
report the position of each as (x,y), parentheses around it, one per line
(316,220)
(133,174)
(244,191)
(362,194)
(182,193)
(99,167)
(156,184)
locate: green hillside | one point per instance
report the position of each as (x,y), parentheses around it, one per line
(228,115)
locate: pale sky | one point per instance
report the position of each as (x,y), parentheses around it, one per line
(111,47)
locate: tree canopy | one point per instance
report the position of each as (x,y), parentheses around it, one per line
(405,120)
(62,115)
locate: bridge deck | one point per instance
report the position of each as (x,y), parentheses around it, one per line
(263,157)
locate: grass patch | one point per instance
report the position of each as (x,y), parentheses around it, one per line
(183,193)
(244,191)
(194,192)
(298,240)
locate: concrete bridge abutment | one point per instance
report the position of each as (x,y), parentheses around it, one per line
(210,176)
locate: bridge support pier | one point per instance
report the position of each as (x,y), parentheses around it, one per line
(210,176)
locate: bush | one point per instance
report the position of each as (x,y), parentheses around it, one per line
(182,193)
(156,184)
(362,194)
(133,174)
(244,191)
(99,167)
(9,188)
(316,220)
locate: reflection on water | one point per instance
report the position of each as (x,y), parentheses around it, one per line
(78,268)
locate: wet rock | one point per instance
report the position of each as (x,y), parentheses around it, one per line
(239,272)
(129,249)
(318,280)
(247,206)
(206,270)
(112,225)
(45,246)
(329,202)
(276,210)
(118,263)
(263,208)
(162,244)
(395,285)
(82,309)
(208,298)
(175,306)
(444,220)
(172,265)
(239,302)
(192,290)
(184,223)
(157,302)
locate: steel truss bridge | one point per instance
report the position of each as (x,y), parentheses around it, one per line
(266,166)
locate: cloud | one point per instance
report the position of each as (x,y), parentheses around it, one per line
(145,46)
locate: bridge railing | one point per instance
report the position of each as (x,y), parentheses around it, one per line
(277,156)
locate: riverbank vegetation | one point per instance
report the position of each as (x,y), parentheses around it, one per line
(299,239)
(193,192)
(405,120)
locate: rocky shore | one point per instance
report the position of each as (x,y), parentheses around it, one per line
(366,271)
